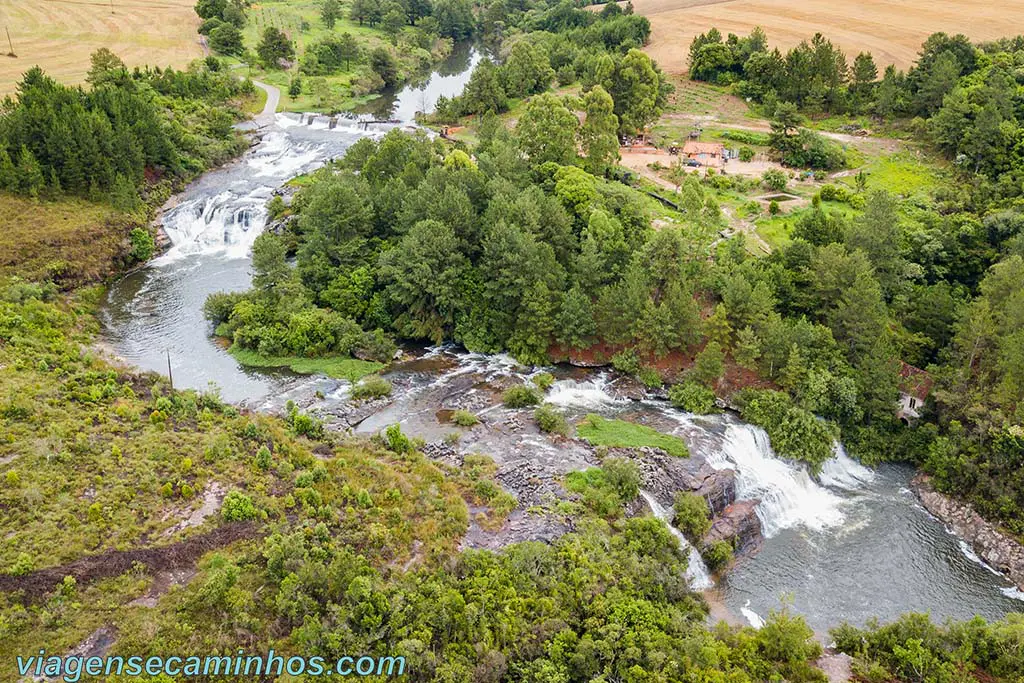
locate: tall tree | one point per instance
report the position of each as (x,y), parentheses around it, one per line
(599,133)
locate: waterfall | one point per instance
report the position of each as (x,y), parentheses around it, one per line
(587,395)
(843,472)
(696,571)
(788,495)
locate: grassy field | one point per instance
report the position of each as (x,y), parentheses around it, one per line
(72,240)
(351,369)
(300,19)
(59,35)
(601,431)
(891,31)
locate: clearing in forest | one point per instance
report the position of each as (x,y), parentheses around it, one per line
(59,35)
(892,30)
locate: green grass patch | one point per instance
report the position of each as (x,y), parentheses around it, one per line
(600,431)
(338,367)
(901,174)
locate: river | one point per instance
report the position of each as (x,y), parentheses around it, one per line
(849,545)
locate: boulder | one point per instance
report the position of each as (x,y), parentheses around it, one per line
(739,526)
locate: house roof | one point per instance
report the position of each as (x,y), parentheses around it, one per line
(694,147)
(915,382)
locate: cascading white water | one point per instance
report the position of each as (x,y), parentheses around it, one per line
(843,472)
(587,395)
(788,495)
(696,571)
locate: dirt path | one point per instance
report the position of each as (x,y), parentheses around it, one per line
(747,228)
(266,117)
(867,141)
(37,584)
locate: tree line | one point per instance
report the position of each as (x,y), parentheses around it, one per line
(127,129)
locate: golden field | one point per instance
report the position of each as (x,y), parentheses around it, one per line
(892,30)
(59,35)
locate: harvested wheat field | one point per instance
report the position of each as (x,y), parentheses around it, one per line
(59,35)
(892,30)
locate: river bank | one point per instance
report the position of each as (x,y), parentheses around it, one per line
(993,546)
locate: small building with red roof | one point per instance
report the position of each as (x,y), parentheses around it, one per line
(915,386)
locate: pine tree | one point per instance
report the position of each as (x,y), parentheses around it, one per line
(717,327)
(30,174)
(748,348)
(576,326)
(8,174)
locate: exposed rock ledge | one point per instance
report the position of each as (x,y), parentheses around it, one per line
(997,548)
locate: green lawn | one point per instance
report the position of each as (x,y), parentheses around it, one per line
(600,431)
(351,369)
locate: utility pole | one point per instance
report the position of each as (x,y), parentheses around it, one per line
(11,53)
(170,377)
(111,6)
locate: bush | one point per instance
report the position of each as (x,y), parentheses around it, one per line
(464,418)
(396,441)
(692,397)
(549,420)
(773,208)
(649,377)
(626,362)
(746,154)
(692,515)
(774,179)
(238,507)
(717,555)
(372,386)
(262,459)
(142,244)
(623,476)
(544,381)
(520,397)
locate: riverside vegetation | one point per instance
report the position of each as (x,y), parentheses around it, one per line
(526,246)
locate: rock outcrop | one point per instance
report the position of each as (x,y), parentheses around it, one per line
(997,548)
(739,526)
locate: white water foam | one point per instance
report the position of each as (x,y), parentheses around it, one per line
(696,571)
(587,395)
(843,472)
(751,616)
(789,496)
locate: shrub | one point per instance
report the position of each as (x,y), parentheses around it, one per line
(262,458)
(623,476)
(717,555)
(774,180)
(520,396)
(549,420)
(773,208)
(373,386)
(692,516)
(544,381)
(692,397)
(238,507)
(649,377)
(396,441)
(143,245)
(746,154)
(464,418)
(626,361)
